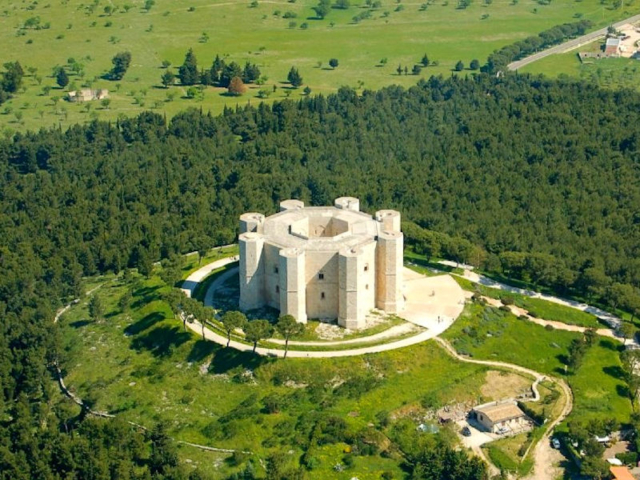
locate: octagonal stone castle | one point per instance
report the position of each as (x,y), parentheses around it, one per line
(323,263)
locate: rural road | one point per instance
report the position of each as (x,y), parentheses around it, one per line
(569,45)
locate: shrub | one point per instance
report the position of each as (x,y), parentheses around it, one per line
(506,300)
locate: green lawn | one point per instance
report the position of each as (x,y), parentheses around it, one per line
(142,365)
(398,32)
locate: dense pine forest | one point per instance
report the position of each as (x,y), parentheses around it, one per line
(534,178)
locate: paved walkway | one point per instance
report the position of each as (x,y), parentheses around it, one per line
(569,45)
(432,303)
(192,281)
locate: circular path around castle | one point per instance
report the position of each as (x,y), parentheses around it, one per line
(432,303)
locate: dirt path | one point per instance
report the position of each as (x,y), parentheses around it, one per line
(520,312)
(544,465)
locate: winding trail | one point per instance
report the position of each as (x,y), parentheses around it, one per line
(541,470)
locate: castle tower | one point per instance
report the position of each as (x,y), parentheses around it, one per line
(389,263)
(356,285)
(291,205)
(251,270)
(389,220)
(251,222)
(293,284)
(347,203)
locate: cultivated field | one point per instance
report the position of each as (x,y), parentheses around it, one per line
(44,35)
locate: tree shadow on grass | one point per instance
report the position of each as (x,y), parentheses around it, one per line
(80,323)
(141,292)
(201,349)
(161,341)
(614,371)
(144,323)
(225,359)
(622,391)
(610,344)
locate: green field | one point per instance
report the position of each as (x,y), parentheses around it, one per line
(400,32)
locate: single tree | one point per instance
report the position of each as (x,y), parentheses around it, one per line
(399,69)
(342,4)
(416,70)
(236,87)
(294,77)
(288,327)
(11,77)
(258,330)
(425,60)
(232,320)
(216,69)
(61,78)
(208,314)
(125,300)
(459,66)
(121,62)
(627,330)
(176,300)
(96,310)
(322,9)
(333,63)
(251,73)
(167,78)
(475,64)
(307,90)
(188,71)
(228,72)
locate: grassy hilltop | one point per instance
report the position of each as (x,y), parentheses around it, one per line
(43,35)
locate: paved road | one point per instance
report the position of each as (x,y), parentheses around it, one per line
(569,45)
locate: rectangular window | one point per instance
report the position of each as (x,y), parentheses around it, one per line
(277,289)
(321,276)
(322,295)
(366,268)
(275,270)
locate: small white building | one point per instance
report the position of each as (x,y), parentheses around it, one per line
(501,417)
(87,95)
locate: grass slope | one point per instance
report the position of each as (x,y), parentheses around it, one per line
(400,33)
(142,365)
